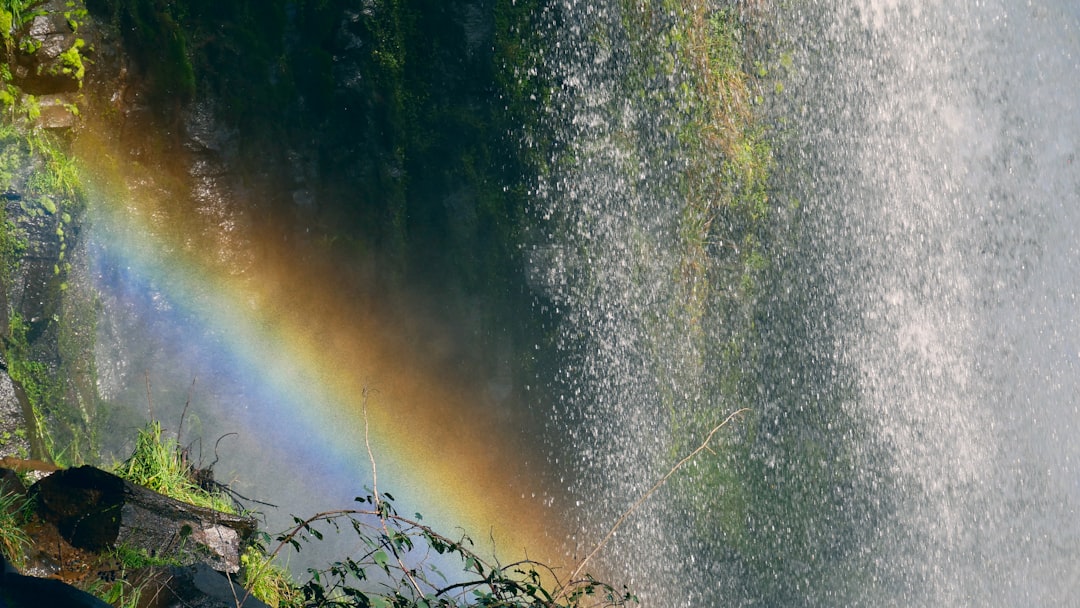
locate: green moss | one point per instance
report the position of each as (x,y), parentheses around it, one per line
(71,61)
(6,22)
(63,402)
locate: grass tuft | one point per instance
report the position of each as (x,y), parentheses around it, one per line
(157,464)
(14,513)
(268,582)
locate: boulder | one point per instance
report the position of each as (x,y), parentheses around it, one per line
(199,586)
(18,591)
(96,510)
(48,56)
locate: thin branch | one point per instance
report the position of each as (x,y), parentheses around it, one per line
(180,429)
(378,499)
(611,532)
(216,457)
(371,455)
(149,401)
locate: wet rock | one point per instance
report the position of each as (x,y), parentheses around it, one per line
(13,429)
(200,586)
(37,281)
(56,112)
(96,510)
(19,591)
(48,58)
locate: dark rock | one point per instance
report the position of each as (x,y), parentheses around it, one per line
(36,281)
(199,586)
(56,112)
(18,591)
(96,510)
(10,483)
(44,61)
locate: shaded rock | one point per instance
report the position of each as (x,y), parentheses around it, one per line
(18,591)
(10,483)
(56,112)
(196,586)
(96,510)
(48,59)
(38,279)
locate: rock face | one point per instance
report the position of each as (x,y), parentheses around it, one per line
(95,510)
(13,432)
(47,56)
(81,514)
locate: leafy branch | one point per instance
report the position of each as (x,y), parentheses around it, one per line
(394,541)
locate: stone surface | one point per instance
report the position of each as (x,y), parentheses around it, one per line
(96,510)
(56,111)
(41,45)
(199,586)
(19,591)
(13,429)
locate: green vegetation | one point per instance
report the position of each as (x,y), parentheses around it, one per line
(397,568)
(71,61)
(268,581)
(14,510)
(37,172)
(41,386)
(119,593)
(16,13)
(125,590)
(158,463)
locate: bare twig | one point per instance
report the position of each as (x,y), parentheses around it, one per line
(216,457)
(371,455)
(611,532)
(378,499)
(149,400)
(183,413)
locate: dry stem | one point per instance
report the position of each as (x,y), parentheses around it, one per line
(611,532)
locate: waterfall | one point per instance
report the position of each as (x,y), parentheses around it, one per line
(895,306)
(913,387)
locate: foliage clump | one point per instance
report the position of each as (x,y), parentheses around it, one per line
(158,463)
(395,566)
(14,513)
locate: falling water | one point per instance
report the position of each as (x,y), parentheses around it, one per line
(915,389)
(909,355)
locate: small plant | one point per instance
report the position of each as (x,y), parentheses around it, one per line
(14,513)
(394,568)
(158,464)
(71,61)
(119,593)
(267,581)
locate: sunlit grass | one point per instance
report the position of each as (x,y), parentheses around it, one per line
(156,463)
(13,516)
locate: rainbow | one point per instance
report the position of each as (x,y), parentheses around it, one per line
(326,369)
